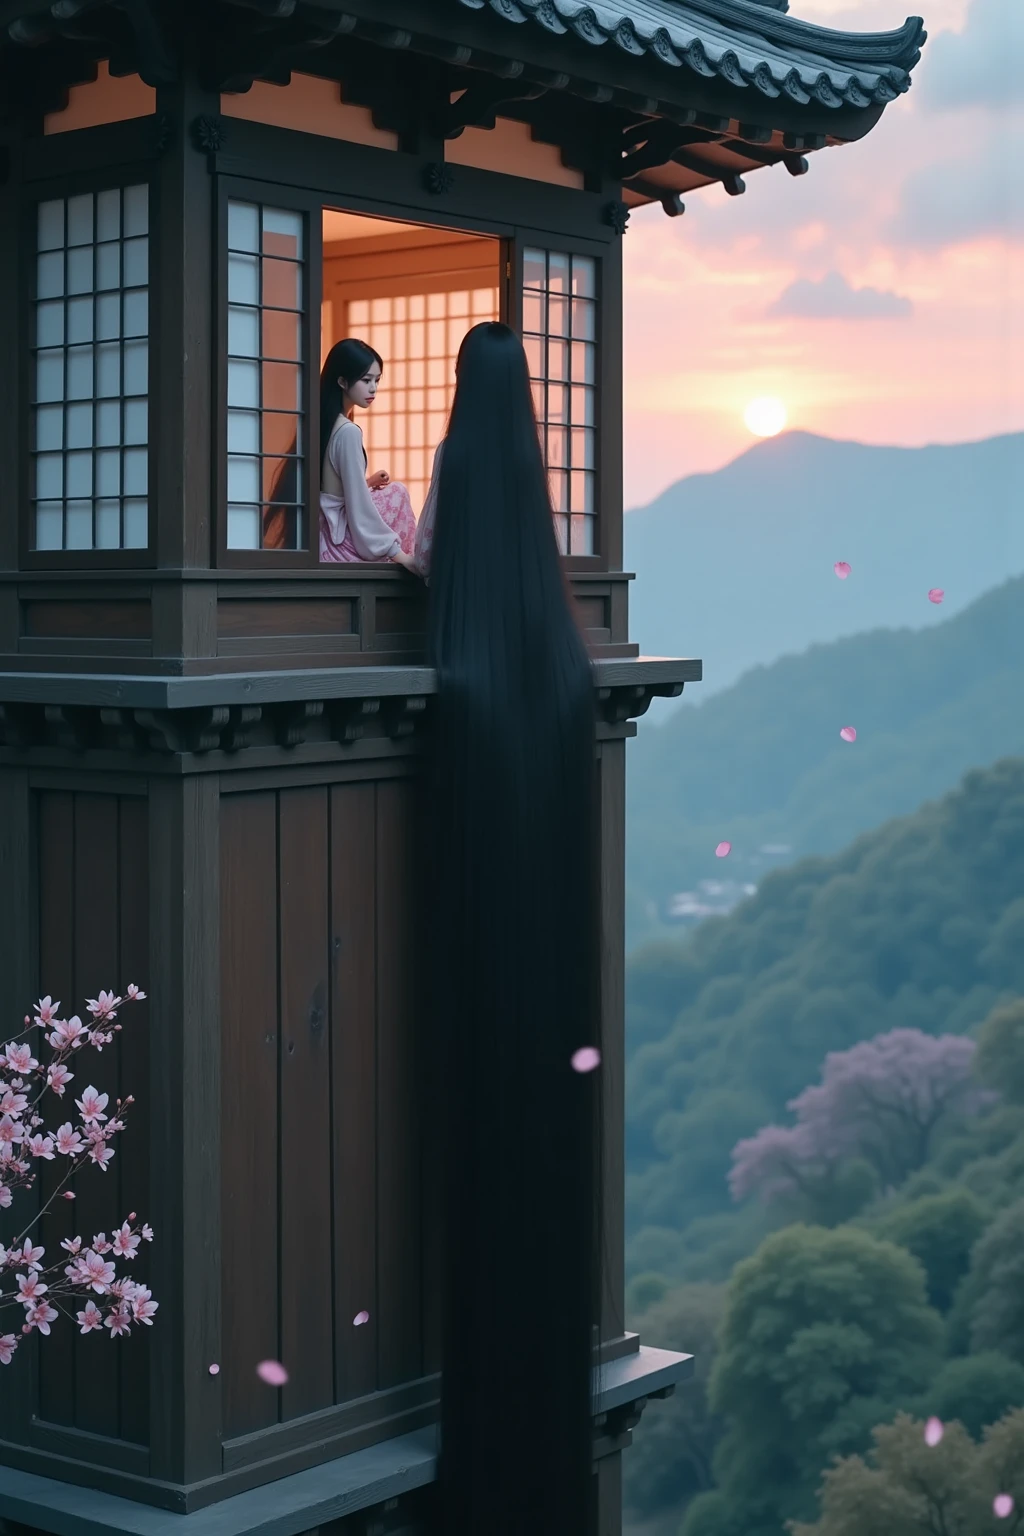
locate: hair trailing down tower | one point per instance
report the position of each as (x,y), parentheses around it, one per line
(211,745)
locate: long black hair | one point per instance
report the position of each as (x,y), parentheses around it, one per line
(349,360)
(516,994)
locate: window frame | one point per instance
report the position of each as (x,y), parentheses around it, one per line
(607,468)
(309,205)
(33,193)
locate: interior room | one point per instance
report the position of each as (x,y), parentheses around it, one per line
(411,292)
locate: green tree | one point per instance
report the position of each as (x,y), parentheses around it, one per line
(995,1286)
(673,1446)
(822,1330)
(975,1389)
(999,1062)
(940,1231)
(908,1488)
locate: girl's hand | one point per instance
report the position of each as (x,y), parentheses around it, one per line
(378,480)
(403,559)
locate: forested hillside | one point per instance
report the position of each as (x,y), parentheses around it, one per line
(848,1047)
(763,763)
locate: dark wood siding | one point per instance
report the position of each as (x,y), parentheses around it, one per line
(93,933)
(321,1178)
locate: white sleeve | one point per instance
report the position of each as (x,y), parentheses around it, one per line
(425,522)
(370,533)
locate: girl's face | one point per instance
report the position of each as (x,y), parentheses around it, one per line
(362,392)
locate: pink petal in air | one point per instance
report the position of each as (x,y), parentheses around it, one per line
(723,850)
(272,1372)
(842,569)
(936,595)
(586,1059)
(933,1432)
(849,733)
(360,1318)
(214,1370)
(1002,1505)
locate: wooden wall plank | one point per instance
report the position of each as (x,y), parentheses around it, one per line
(56,823)
(133,1070)
(353,1074)
(305,1152)
(249,1023)
(612,779)
(95,966)
(400,1353)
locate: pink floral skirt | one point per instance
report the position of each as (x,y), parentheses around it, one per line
(394,506)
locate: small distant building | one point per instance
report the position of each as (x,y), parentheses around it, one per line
(210,744)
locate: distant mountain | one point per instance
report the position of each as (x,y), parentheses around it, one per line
(762,766)
(736,566)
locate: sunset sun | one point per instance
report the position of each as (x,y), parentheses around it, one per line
(765,416)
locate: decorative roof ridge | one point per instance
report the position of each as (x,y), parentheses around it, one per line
(640,26)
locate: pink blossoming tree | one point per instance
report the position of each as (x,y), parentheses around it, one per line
(88,1271)
(883,1101)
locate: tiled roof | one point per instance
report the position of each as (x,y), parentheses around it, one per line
(748,43)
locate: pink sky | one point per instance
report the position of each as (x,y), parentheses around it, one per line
(927,212)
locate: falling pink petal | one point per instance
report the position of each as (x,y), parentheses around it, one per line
(933,1432)
(360,1318)
(842,569)
(849,733)
(936,595)
(1002,1505)
(272,1372)
(723,850)
(586,1059)
(214,1370)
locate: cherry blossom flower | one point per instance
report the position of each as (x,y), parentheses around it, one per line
(41,1317)
(147,1232)
(46,1010)
(67,1033)
(842,569)
(214,1370)
(8,1344)
(69,1194)
(58,1077)
(272,1372)
(30,1287)
(118,1322)
(41,1146)
(26,1254)
(1002,1504)
(20,1057)
(6,1198)
(360,1318)
(92,1104)
(72,1244)
(12,1103)
(11,1131)
(90,1317)
(933,1432)
(92,1270)
(935,595)
(143,1306)
(100,1155)
(125,1242)
(134,993)
(100,1244)
(586,1059)
(104,1007)
(849,733)
(723,850)
(69,1140)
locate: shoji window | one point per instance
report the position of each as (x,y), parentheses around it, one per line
(418,335)
(90,368)
(267,423)
(560,336)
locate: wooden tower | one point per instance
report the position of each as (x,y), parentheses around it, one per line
(210,745)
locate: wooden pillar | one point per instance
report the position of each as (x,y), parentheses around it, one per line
(183,1110)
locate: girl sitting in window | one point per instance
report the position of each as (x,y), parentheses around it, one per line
(360,518)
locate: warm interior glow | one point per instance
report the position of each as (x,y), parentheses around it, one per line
(765,416)
(411,292)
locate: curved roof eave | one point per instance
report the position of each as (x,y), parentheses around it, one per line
(747,43)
